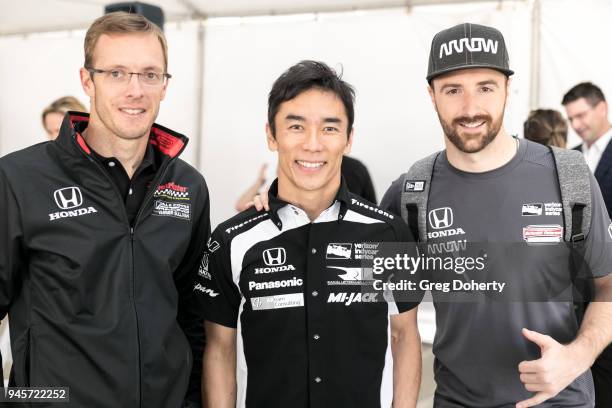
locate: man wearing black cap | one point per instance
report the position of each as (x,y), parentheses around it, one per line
(488,186)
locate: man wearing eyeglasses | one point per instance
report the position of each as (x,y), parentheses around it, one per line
(101,236)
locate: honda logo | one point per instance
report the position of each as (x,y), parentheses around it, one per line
(69,197)
(274,256)
(441,218)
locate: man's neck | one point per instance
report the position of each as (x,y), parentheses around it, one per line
(312,202)
(129,152)
(497,153)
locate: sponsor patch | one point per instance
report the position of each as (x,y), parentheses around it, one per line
(373,209)
(203,270)
(278,301)
(349,298)
(287,283)
(176,210)
(172,191)
(414,186)
(205,290)
(212,245)
(349,274)
(543,233)
(366,250)
(553,209)
(339,251)
(532,209)
(69,199)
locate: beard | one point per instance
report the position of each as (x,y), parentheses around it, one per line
(473,143)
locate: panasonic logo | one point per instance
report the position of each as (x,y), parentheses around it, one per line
(273,269)
(446,233)
(73,213)
(289,283)
(471,44)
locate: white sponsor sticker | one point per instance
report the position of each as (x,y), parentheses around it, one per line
(339,251)
(532,209)
(278,301)
(414,186)
(543,233)
(176,210)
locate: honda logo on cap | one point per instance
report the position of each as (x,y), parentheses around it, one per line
(67,198)
(274,256)
(441,218)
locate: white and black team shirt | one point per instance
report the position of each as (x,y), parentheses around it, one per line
(305,337)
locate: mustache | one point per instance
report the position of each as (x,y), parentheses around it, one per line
(476,118)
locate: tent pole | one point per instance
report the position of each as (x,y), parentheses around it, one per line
(536,26)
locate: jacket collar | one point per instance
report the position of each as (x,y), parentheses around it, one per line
(166,141)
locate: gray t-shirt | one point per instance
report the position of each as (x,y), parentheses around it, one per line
(479,345)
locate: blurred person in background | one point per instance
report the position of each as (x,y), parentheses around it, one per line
(547,127)
(53,115)
(587,113)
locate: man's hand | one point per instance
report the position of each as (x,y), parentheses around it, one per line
(260,201)
(557,367)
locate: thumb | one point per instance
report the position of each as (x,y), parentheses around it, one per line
(541,340)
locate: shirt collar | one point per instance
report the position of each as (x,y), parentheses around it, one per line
(150,159)
(600,144)
(275,203)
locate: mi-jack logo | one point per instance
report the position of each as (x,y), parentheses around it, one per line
(471,44)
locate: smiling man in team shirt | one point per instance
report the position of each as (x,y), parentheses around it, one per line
(281,330)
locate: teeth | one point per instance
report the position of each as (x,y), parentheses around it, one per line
(310,165)
(472,125)
(132,111)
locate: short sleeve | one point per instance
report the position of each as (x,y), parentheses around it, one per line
(217,294)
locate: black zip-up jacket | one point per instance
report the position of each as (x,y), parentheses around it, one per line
(96,305)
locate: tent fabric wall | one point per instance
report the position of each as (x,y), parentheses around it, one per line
(383,53)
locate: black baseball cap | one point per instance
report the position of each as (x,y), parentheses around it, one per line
(467,46)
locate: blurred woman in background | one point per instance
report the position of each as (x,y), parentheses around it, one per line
(547,127)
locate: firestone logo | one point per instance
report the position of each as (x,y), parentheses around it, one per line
(69,199)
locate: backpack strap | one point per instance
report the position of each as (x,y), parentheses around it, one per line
(415,193)
(575,185)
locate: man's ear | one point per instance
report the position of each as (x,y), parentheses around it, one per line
(272,144)
(87,82)
(349,142)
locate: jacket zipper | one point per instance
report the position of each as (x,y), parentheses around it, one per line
(154,185)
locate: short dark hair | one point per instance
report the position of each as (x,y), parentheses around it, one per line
(547,127)
(306,75)
(587,90)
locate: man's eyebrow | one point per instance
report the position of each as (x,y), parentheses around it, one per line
(488,82)
(295,117)
(449,86)
(332,120)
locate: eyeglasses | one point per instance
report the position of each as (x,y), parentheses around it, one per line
(122,77)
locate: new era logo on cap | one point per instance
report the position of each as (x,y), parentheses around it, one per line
(467,46)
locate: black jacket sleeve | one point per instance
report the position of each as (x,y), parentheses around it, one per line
(188,317)
(11,249)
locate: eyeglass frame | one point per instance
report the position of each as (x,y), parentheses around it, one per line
(166,76)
